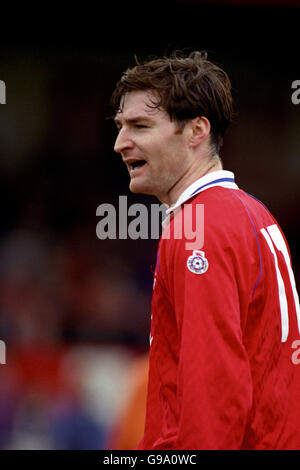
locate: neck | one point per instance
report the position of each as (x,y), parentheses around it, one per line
(207,166)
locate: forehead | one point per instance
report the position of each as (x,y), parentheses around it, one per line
(139,103)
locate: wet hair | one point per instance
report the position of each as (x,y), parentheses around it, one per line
(185,87)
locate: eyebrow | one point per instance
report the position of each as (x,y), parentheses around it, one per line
(133,120)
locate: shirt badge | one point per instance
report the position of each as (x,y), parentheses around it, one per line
(197,263)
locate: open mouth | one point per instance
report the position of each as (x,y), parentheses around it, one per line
(137,164)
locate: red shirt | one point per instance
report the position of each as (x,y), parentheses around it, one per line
(224,321)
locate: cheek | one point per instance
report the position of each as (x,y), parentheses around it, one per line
(166,157)
(168,171)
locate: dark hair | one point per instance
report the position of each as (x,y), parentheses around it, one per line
(185,87)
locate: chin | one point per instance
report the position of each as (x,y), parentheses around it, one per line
(140,188)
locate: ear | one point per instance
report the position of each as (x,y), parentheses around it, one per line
(200,130)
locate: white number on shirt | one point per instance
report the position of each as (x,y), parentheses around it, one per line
(274,239)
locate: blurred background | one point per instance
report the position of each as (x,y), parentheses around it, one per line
(75,310)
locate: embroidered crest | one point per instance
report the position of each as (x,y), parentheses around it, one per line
(197,263)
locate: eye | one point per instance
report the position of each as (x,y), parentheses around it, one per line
(141,126)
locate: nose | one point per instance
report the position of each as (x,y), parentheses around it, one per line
(123,141)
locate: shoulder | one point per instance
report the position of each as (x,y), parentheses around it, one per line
(227,202)
(219,218)
(230,210)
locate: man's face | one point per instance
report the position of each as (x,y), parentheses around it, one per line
(152,147)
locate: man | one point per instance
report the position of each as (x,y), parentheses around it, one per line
(225,314)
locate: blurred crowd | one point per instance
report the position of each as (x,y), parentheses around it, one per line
(73,324)
(74,310)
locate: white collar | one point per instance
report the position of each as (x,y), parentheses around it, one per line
(222,178)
